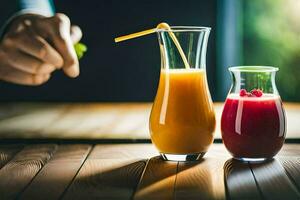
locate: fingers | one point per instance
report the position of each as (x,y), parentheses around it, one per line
(76,34)
(28,64)
(35,46)
(19,77)
(57,29)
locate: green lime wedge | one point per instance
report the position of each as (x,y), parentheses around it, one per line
(80,49)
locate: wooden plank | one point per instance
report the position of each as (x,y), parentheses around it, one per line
(96,120)
(7,152)
(110,172)
(123,151)
(72,118)
(132,122)
(290,150)
(158,180)
(201,180)
(113,120)
(31,120)
(110,120)
(11,110)
(58,173)
(106,179)
(240,182)
(292,167)
(18,173)
(273,181)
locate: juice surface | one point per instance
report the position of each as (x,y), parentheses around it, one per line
(182,119)
(253,127)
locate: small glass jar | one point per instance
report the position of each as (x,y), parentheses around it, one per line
(253,122)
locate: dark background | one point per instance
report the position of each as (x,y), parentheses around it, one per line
(126,71)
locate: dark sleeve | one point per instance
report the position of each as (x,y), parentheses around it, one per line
(11,9)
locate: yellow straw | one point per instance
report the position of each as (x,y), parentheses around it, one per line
(153,30)
(134,35)
(176,42)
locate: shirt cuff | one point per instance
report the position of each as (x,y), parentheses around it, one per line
(23,12)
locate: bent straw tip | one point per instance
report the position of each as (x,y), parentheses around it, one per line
(163,25)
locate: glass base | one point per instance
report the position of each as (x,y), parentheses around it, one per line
(252,159)
(182,157)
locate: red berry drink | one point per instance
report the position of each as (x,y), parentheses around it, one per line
(253,122)
(253,127)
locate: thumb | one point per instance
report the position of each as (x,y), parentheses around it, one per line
(76,34)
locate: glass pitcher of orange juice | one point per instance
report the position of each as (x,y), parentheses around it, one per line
(182,120)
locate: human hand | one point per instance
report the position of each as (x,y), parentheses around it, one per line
(34,46)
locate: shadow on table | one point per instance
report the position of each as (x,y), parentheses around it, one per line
(106,179)
(239,180)
(167,180)
(252,180)
(117,179)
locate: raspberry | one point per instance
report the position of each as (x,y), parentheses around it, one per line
(257,92)
(243,92)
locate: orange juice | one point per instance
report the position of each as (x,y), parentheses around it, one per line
(182,119)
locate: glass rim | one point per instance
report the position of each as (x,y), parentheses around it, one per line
(249,68)
(185,29)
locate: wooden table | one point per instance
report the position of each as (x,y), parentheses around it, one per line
(65,151)
(134,171)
